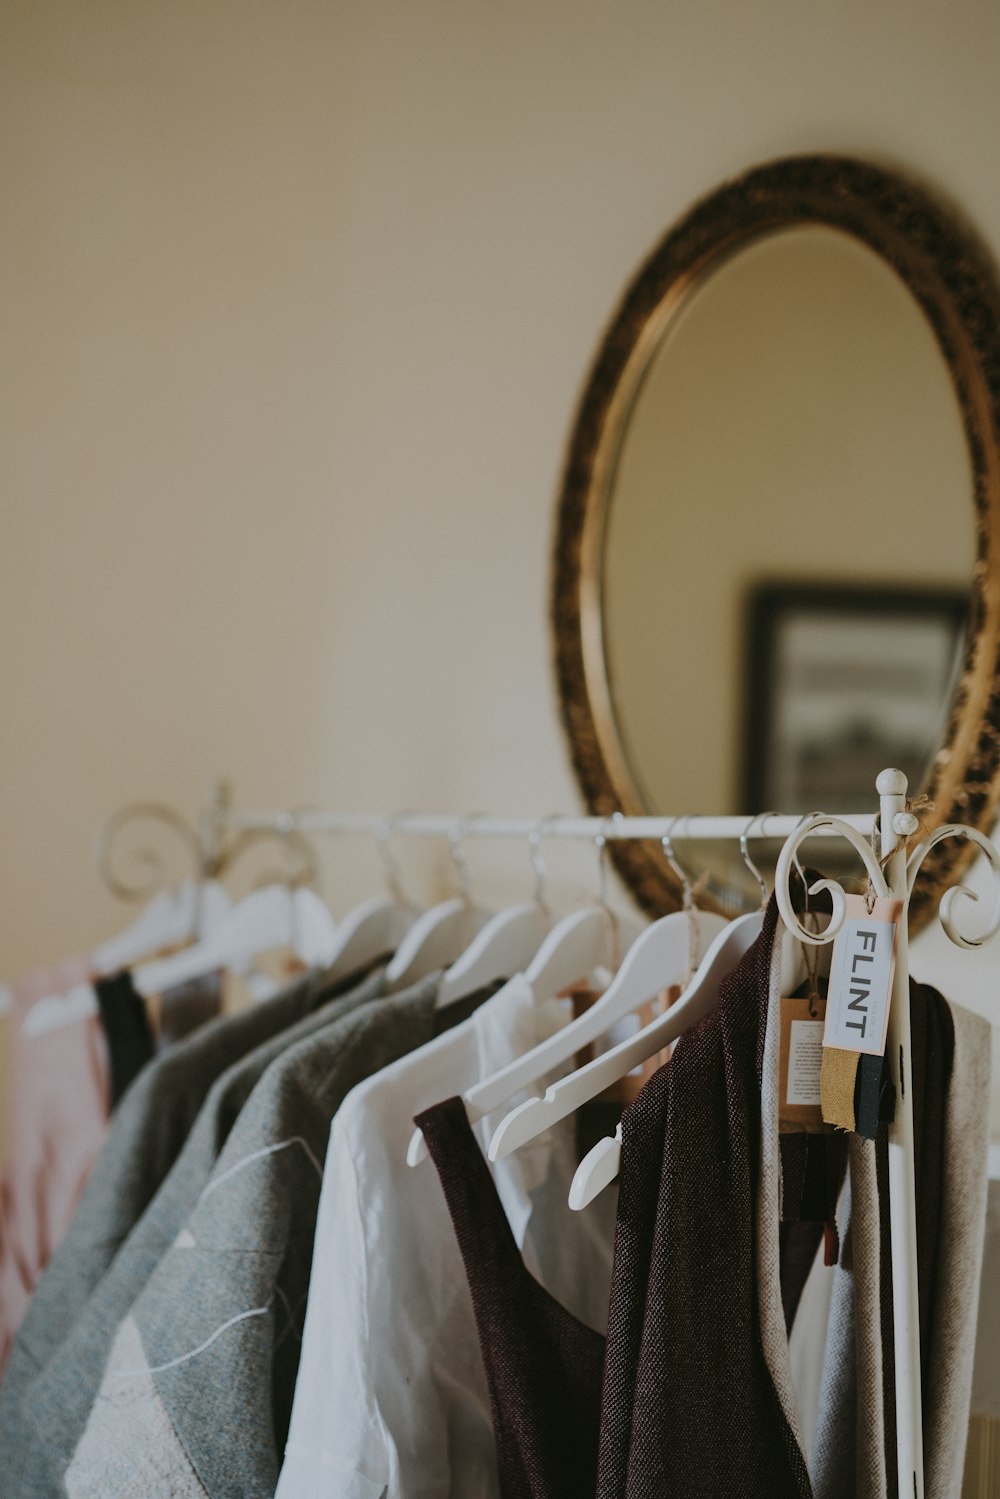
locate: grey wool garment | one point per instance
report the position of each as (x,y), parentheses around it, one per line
(197,1393)
(150,1127)
(848,1455)
(55,1404)
(948,1397)
(845,1458)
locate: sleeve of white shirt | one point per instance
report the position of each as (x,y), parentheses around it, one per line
(329,1408)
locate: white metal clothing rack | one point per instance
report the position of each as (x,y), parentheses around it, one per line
(891,874)
(447,825)
(894,875)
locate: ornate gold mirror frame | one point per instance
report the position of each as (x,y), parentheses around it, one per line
(953,280)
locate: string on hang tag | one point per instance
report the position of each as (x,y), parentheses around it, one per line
(688,905)
(853,1077)
(801,1043)
(810,956)
(918,807)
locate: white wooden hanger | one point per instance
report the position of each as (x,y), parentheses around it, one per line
(501,948)
(577,947)
(640,977)
(600,1167)
(506,944)
(574,949)
(655,961)
(440,935)
(57,1010)
(434,940)
(275,916)
(579,944)
(189,911)
(376,927)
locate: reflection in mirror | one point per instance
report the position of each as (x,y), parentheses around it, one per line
(775,568)
(797,397)
(841,681)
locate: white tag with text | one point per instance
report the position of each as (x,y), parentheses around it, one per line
(864,958)
(800,1063)
(805,1061)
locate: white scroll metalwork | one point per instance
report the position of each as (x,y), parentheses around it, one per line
(114,859)
(892,874)
(293,844)
(821,822)
(135,865)
(946,909)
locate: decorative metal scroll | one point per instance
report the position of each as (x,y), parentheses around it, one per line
(820,822)
(136,873)
(136,863)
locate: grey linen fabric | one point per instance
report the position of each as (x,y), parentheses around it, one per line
(846,1459)
(848,1455)
(197,1394)
(145,1182)
(56,1403)
(963,1228)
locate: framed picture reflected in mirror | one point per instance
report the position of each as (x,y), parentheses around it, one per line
(841,681)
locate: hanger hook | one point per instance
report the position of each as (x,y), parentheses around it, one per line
(760,817)
(601,845)
(667,844)
(456,834)
(390,864)
(146,856)
(287,833)
(308,872)
(304,875)
(538,863)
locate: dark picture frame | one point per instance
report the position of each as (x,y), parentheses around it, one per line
(841,681)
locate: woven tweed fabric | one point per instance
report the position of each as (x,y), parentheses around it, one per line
(57,1403)
(952,1335)
(44,1400)
(950,1067)
(838,1077)
(543,1366)
(689,1405)
(932,1041)
(950,1052)
(686,1405)
(219,1323)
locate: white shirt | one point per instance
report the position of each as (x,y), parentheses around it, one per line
(391,1400)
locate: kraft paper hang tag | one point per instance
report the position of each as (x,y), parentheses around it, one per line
(860,989)
(801,1060)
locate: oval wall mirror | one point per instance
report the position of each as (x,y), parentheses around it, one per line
(776,565)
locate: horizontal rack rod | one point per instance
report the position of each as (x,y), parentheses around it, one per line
(480,825)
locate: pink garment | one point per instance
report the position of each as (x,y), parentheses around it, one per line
(57,1119)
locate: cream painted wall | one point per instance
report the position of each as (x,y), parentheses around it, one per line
(296,303)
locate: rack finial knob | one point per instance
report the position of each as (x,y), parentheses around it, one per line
(891,783)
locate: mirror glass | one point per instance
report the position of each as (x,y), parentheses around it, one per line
(763,648)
